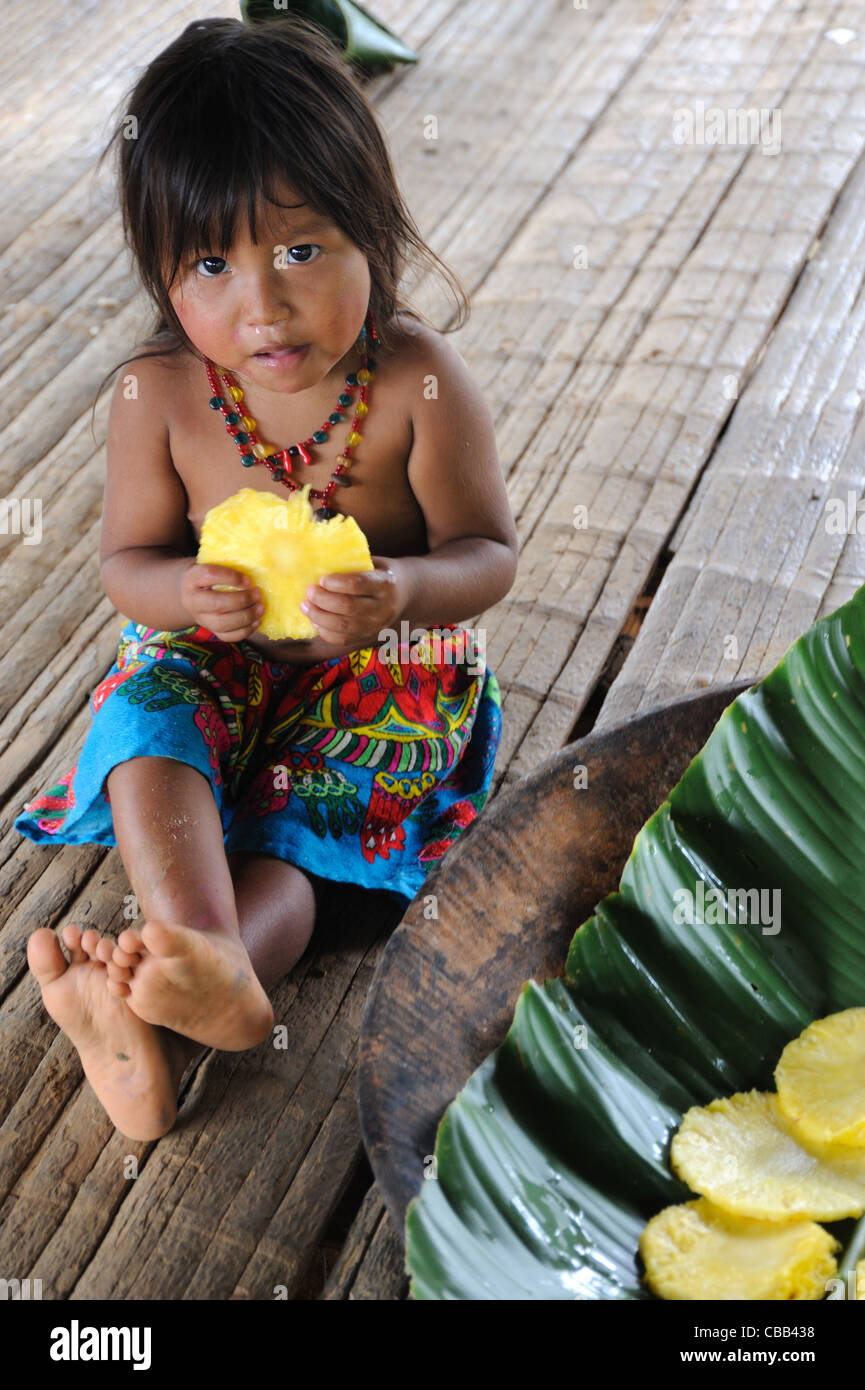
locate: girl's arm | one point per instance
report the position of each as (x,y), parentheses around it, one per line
(143,550)
(454,472)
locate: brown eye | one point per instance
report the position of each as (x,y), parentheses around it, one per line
(304,247)
(213,265)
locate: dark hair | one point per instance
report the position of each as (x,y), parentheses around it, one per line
(216,120)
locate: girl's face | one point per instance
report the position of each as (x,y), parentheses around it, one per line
(305,285)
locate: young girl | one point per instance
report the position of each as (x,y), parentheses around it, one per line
(234,772)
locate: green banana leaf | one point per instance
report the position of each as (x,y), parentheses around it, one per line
(554,1155)
(361,37)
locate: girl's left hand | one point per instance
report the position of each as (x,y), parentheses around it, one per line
(351,609)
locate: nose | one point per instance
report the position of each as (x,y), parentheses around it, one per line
(265,299)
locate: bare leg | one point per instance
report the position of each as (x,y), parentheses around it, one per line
(276,911)
(193,975)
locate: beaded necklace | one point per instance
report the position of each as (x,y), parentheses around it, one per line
(279,461)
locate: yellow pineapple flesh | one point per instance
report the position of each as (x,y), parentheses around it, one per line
(748,1159)
(821,1079)
(696,1251)
(283,549)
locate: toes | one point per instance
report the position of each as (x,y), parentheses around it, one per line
(117,972)
(130,941)
(45,957)
(124,959)
(71,935)
(161,939)
(105,949)
(89,941)
(118,987)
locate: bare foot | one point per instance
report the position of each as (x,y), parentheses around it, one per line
(126,1060)
(197,983)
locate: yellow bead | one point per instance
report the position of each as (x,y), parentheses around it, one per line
(341,458)
(362,408)
(261,451)
(353,438)
(363,375)
(236,393)
(248,424)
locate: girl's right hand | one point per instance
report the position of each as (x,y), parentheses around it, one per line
(231,617)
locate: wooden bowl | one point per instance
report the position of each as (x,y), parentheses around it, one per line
(500,908)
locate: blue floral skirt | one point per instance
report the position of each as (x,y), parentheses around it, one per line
(358,769)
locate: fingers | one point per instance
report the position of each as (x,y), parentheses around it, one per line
(231,614)
(205,576)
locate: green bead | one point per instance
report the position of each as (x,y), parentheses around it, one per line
(232,418)
(320,436)
(215,402)
(247,460)
(335,418)
(344,399)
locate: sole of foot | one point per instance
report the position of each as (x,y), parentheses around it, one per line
(197,983)
(126,1060)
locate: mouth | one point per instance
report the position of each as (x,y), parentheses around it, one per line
(282,356)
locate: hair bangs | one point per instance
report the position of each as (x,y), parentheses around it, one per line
(208,191)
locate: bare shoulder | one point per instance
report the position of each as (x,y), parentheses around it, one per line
(453,468)
(432,368)
(162,379)
(416,342)
(159,363)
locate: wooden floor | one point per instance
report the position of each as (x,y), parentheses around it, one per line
(692,377)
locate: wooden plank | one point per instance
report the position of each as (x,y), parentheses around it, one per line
(381,1274)
(629,436)
(755,559)
(282,1255)
(355,1245)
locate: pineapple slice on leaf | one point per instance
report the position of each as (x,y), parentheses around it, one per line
(748,1159)
(821,1080)
(696,1251)
(283,549)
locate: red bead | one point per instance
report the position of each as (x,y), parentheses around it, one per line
(304,454)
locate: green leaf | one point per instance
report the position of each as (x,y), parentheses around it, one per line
(362,37)
(554,1155)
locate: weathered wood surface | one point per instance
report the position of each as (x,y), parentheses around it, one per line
(609,386)
(760,554)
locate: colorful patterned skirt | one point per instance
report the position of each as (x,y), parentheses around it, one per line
(358,769)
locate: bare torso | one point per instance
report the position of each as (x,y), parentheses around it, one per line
(379,497)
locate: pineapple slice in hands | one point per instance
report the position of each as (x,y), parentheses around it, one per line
(283,549)
(821,1080)
(697,1251)
(749,1160)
